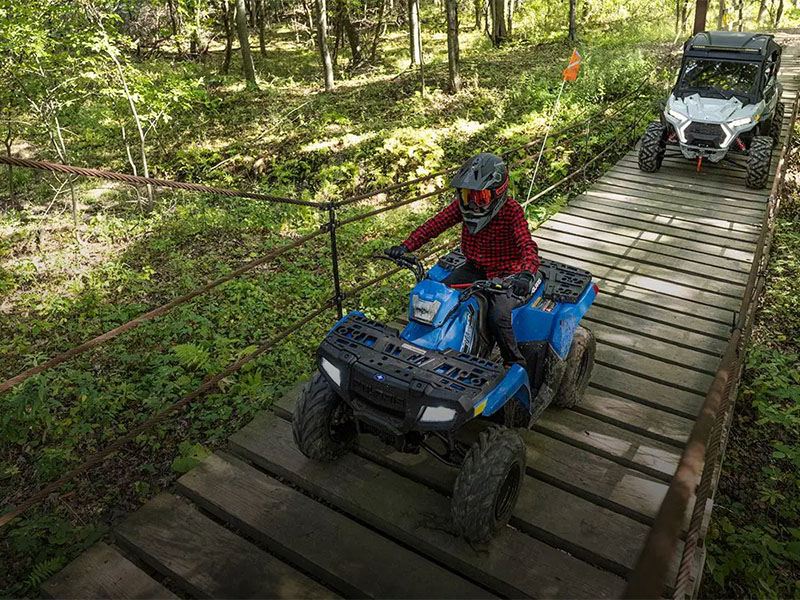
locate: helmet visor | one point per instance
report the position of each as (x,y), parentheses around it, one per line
(479,198)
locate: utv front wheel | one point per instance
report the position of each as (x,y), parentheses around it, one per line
(776,122)
(323,426)
(578,370)
(758,162)
(488,484)
(652,148)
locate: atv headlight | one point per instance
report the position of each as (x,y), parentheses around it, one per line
(332,371)
(437,414)
(676,115)
(424,311)
(740,122)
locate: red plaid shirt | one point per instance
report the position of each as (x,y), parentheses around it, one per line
(503,247)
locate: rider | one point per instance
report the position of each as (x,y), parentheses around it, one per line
(494,238)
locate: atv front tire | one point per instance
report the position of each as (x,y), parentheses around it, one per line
(488,484)
(323,425)
(776,122)
(653,148)
(758,162)
(578,371)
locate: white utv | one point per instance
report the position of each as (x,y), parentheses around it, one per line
(725,105)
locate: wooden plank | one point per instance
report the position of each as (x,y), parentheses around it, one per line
(679,377)
(716,250)
(663,209)
(648,277)
(645,420)
(676,264)
(414,514)
(617,444)
(691,258)
(703,206)
(675,228)
(649,328)
(711,174)
(325,543)
(645,391)
(205,558)
(645,305)
(555,516)
(102,572)
(629,341)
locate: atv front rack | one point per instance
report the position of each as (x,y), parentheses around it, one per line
(389,382)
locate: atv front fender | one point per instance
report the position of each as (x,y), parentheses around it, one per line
(513,385)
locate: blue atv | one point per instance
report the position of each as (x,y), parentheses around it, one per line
(416,389)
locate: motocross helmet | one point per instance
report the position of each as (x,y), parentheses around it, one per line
(482,189)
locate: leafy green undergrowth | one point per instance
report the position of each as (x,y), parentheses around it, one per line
(754,537)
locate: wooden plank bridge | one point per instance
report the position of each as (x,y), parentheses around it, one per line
(671,252)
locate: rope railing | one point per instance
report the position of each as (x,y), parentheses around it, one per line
(336,302)
(702,455)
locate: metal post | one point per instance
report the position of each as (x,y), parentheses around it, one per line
(337,290)
(700,10)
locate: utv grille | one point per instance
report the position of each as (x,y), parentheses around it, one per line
(705,134)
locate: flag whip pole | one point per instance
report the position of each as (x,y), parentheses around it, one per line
(544,141)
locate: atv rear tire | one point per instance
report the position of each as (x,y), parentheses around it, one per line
(323,426)
(652,148)
(776,122)
(516,414)
(578,371)
(758,162)
(488,484)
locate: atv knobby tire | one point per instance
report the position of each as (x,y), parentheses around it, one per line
(652,148)
(578,370)
(776,122)
(758,162)
(323,426)
(488,484)
(516,414)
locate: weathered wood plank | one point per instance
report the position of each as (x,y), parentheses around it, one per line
(102,572)
(619,445)
(676,229)
(205,558)
(680,168)
(625,413)
(691,258)
(645,391)
(414,514)
(649,328)
(676,264)
(325,543)
(649,278)
(659,350)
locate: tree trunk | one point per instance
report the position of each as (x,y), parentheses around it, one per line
(684,15)
(451,6)
(353,37)
(12,201)
(227,25)
(509,16)
(478,11)
(762,12)
(721,15)
(322,43)
(741,15)
(173,21)
(499,31)
(573,27)
(779,13)
(244,43)
(380,29)
(262,38)
(309,18)
(414,32)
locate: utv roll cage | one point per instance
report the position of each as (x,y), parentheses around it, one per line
(729,46)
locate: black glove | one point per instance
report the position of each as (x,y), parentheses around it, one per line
(396,251)
(522,284)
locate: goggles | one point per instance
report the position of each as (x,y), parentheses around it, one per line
(480,198)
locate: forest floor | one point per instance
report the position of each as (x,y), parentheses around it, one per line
(58,289)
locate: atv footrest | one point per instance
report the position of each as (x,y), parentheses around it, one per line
(390,382)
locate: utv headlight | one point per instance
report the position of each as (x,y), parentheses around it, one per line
(437,414)
(676,115)
(740,122)
(424,311)
(332,371)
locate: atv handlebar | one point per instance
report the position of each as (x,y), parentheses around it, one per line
(407,261)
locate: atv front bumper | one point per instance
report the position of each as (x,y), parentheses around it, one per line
(396,387)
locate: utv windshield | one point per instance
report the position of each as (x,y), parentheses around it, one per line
(722,79)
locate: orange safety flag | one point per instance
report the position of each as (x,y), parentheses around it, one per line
(571,72)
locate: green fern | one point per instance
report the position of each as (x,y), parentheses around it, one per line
(42,571)
(191,355)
